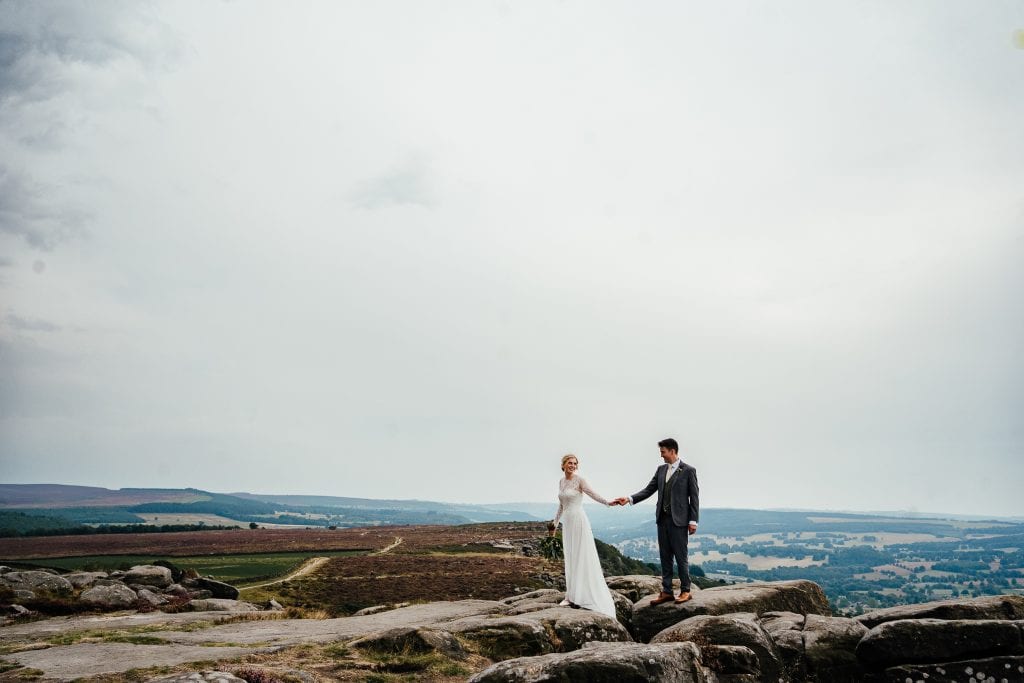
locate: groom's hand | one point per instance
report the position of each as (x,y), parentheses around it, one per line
(693,529)
(620,501)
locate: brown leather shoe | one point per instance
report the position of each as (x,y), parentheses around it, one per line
(662,597)
(683,597)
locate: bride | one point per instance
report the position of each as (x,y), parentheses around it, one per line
(584,580)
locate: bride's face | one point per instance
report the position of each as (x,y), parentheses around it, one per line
(570,466)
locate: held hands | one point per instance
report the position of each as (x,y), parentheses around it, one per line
(620,501)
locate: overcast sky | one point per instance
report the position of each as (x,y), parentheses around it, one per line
(422,249)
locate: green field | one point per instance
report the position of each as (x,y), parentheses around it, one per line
(234,569)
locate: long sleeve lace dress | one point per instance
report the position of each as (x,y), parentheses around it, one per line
(584,580)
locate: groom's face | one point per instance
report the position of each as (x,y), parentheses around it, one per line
(667,455)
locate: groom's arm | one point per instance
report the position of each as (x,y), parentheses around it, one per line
(646,492)
(694,497)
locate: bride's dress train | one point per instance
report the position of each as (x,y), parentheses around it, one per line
(584,580)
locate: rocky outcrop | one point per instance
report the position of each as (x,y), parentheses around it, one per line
(113,597)
(605,663)
(150,598)
(545,598)
(740,629)
(803,597)
(143,587)
(937,649)
(218,589)
(635,586)
(84,579)
(913,641)
(177,574)
(830,648)
(732,663)
(221,605)
(806,644)
(149,575)
(410,639)
(37,581)
(555,629)
(179,591)
(987,607)
(992,670)
(530,637)
(534,601)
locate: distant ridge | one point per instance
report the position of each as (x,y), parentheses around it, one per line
(94,504)
(66,496)
(475,513)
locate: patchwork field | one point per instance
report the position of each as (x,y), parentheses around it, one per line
(188,518)
(759,562)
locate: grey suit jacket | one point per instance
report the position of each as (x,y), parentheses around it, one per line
(685,494)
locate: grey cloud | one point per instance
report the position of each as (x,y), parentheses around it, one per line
(42,39)
(407,185)
(25,212)
(47,138)
(31,324)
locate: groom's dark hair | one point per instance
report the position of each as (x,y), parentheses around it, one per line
(670,444)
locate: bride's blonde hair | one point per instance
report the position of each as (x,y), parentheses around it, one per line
(565,459)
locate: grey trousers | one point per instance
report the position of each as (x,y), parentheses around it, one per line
(672,544)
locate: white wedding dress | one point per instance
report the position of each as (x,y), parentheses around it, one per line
(584,580)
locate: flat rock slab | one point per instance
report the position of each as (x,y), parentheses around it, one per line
(919,641)
(1000,669)
(604,663)
(68,662)
(555,629)
(298,631)
(802,597)
(741,629)
(46,628)
(987,607)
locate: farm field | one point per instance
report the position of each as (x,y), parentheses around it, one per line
(760,562)
(188,518)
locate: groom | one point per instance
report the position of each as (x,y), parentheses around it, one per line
(677,513)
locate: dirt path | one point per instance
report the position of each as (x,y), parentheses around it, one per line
(388,549)
(310,565)
(314,563)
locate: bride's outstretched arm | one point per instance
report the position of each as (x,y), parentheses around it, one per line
(585,487)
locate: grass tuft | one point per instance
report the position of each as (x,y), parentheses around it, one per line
(337,651)
(98,636)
